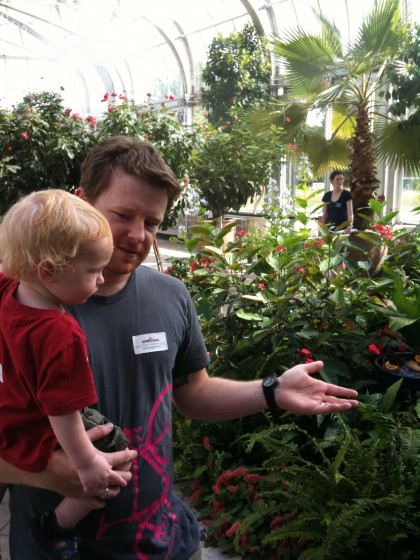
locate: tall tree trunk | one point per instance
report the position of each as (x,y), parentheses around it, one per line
(364,181)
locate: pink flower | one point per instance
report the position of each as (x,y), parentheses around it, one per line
(206,443)
(148,94)
(172,97)
(25,136)
(230,532)
(9,148)
(261,286)
(287,119)
(301,270)
(232,489)
(62,88)
(373,348)
(241,233)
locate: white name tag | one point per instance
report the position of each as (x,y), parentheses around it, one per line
(151,342)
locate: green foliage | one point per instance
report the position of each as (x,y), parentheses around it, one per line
(406,82)
(43,145)
(322,487)
(238,70)
(230,167)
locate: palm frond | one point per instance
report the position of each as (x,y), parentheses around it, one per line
(398,143)
(331,34)
(307,60)
(379,35)
(326,154)
(343,120)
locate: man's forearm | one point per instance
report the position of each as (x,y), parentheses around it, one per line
(58,476)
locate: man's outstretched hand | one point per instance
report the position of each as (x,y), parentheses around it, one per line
(300,393)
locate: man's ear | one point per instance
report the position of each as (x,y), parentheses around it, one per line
(80,192)
(46,271)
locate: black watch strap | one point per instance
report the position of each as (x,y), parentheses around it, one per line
(269,384)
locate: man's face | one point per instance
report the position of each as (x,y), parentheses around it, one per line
(134,210)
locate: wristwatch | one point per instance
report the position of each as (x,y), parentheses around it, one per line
(268,384)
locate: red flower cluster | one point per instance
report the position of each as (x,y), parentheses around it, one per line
(385,231)
(280,249)
(305,354)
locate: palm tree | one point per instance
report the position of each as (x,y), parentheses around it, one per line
(346,85)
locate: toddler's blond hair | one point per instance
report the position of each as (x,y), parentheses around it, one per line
(47,225)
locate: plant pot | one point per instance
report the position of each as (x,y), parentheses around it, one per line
(410,377)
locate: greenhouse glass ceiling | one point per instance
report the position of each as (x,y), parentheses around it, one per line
(85,48)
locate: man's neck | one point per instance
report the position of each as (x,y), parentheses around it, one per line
(113,284)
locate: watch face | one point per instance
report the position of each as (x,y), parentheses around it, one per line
(270,381)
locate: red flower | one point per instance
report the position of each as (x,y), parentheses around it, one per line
(62,88)
(402,347)
(308,360)
(232,489)
(195,496)
(305,352)
(318,243)
(385,231)
(373,348)
(230,532)
(172,97)
(261,286)
(9,148)
(280,249)
(292,147)
(206,443)
(25,136)
(381,198)
(186,180)
(255,549)
(241,233)
(149,94)
(244,538)
(287,119)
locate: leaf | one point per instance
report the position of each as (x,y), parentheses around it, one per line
(248,316)
(334,367)
(390,395)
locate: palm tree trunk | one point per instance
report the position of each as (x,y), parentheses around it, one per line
(364,179)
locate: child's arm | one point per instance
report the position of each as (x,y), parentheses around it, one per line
(93,469)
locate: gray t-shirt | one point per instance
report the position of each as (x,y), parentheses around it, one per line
(139,341)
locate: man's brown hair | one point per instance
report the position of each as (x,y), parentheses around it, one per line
(136,157)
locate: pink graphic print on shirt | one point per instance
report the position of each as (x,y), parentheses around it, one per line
(148,450)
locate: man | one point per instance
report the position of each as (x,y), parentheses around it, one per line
(145,350)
